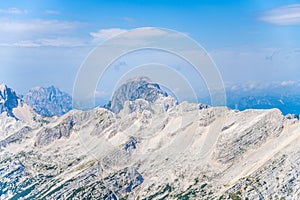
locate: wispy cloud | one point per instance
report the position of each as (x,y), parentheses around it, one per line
(148,32)
(13,11)
(36,26)
(52,12)
(105,34)
(132,38)
(285,15)
(38,32)
(287,83)
(47,42)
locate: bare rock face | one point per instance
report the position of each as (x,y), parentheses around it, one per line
(121,155)
(279,178)
(99,118)
(139,88)
(14,107)
(48,135)
(48,101)
(103,119)
(161,105)
(138,106)
(8,100)
(114,186)
(15,137)
(247,130)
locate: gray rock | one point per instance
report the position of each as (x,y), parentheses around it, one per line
(48,135)
(8,100)
(15,137)
(139,88)
(49,101)
(234,142)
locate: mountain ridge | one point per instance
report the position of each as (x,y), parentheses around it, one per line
(135,88)
(158,149)
(48,101)
(14,106)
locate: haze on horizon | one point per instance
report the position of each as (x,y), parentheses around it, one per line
(44,43)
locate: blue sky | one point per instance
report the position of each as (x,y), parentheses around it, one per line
(45,42)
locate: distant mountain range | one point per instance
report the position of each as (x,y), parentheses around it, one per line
(51,101)
(48,102)
(285,96)
(149,147)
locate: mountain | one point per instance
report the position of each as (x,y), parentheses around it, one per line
(8,100)
(284,96)
(48,101)
(137,88)
(157,149)
(13,106)
(286,103)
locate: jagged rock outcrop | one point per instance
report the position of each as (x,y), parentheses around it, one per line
(13,106)
(121,155)
(48,135)
(15,137)
(8,100)
(138,88)
(246,131)
(48,101)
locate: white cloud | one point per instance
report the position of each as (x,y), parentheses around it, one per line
(143,36)
(287,83)
(105,34)
(38,32)
(148,32)
(47,42)
(285,15)
(13,11)
(37,26)
(102,93)
(61,42)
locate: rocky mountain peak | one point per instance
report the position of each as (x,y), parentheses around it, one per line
(8,100)
(136,88)
(48,101)
(3,87)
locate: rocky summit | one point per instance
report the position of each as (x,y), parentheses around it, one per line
(12,106)
(136,88)
(8,100)
(152,148)
(48,101)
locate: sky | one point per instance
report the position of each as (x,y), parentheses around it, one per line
(44,42)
